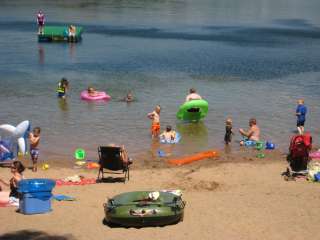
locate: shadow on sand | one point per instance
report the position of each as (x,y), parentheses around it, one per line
(34,235)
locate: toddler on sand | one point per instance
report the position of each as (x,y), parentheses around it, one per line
(34,138)
(155,117)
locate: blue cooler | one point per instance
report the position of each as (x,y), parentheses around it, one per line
(35,195)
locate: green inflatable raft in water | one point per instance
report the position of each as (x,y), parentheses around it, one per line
(144,208)
(193,110)
(59,33)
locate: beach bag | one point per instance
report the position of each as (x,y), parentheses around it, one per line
(299,149)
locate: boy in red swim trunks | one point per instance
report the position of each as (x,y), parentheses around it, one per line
(155,117)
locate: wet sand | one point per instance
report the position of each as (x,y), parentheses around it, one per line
(232,197)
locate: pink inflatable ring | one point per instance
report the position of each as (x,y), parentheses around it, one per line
(100,96)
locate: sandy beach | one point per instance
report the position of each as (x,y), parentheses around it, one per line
(232,197)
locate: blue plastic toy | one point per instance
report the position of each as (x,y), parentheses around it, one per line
(270,145)
(161,153)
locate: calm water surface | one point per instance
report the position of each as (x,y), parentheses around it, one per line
(247,58)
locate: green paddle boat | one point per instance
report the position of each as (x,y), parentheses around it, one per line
(145,208)
(193,110)
(58,34)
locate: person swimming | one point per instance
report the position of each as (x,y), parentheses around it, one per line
(129,97)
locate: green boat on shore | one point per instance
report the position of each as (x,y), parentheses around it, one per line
(59,33)
(141,209)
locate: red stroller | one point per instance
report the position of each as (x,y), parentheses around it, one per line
(299,149)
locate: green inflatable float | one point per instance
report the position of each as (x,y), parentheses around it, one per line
(144,208)
(193,110)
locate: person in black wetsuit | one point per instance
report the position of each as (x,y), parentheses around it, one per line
(16,169)
(228,135)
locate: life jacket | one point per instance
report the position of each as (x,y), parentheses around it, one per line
(60,88)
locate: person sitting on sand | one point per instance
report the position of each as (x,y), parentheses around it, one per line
(16,169)
(92,92)
(123,154)
(168,135)
(193,95)
(129,97)
(253,133)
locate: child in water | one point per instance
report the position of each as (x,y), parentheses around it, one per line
(129,97)
(168,135)
(34,138)
(155,117)
(92,92)
(229,132)
(301,112)
(62,88)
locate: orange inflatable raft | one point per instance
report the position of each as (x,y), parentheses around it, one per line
(193,158)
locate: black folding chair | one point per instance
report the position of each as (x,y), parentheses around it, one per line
(110,159)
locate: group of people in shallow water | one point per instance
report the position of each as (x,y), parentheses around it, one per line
(253,132)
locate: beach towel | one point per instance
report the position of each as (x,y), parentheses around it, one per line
(82,181)
(60,197)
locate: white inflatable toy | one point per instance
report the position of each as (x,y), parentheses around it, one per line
(17,133)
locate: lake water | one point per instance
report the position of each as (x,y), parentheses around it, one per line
(248,58)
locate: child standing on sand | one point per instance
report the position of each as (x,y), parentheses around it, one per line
(229,132)
(155,117)
(34,138)
(301,112)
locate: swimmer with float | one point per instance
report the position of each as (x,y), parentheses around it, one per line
(193,95)
(92,92)
(168,135)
